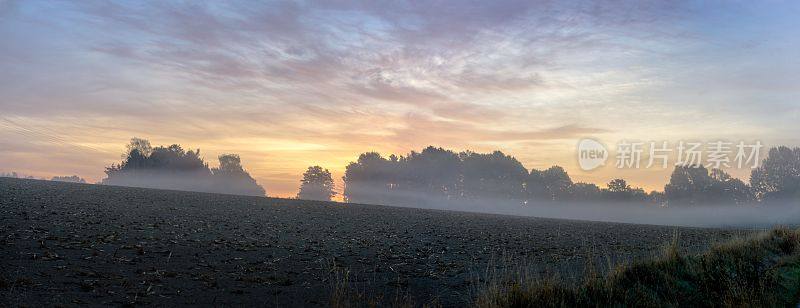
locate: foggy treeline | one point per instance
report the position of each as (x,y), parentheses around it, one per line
(493,183)
(58,178)
(69,179)
(173,167)
(16,175)
(437,174)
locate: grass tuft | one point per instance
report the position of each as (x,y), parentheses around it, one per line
(758,271)
(345,292)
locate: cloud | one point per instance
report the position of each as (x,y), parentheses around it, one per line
(384,75)
(419,129)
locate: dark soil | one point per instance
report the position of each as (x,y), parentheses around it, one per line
(69,244)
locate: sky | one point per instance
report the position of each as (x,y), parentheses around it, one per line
(288,85)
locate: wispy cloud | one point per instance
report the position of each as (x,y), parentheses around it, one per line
(343,77)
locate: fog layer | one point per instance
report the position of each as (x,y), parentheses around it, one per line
(710,215)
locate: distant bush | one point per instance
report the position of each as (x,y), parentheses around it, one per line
(9,175)
(70,179)
(173,167)
(758,272)
(16,175)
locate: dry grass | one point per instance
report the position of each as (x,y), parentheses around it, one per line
(346,293)
(761,271)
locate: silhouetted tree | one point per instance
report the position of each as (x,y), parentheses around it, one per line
(618,190)
(552,184)
(778,176)
(725,189)
(494,176)
(618,186)
(317,184)
(585,192)
(140,145)
(370,179)
(686,185)
(434,173)
(231,178)
(694,185)
(173,167)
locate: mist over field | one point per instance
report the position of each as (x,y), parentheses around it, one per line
(493,183)
(711,215)
(498,183)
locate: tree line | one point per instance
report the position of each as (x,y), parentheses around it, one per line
(436,174)
(16,175)
(58,178)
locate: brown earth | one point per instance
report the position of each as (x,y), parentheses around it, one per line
(71,244)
